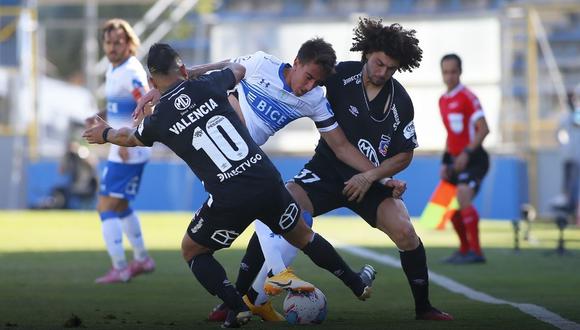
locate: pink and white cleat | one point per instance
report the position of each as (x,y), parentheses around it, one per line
(137,267)
(115,276)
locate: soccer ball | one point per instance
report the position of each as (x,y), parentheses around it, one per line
(305,308)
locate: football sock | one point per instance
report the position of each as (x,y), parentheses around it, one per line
(325,256)
(457,222)
(113,236)
(252,295)
(269,243)
(414,265)
(250,265)
(212,276)
(471,222)
(258,286)
(132,229)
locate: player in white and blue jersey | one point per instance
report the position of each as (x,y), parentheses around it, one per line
(126,82)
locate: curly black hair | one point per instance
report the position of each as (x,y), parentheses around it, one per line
(372,36)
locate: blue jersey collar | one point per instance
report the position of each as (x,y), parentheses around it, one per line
(281,74)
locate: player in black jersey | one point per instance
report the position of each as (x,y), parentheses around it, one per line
(376,114)
(195,120)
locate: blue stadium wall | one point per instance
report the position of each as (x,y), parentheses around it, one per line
(170,186)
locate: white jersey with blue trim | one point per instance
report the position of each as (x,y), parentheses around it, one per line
(268,103)
(124,85)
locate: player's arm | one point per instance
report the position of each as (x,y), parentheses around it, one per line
(348,154)
(238,70)
(197,70)
(103,133)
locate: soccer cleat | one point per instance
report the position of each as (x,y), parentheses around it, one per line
(115,276)
(236,319)
(219,313)
(265,311)
(453,258)
(433,314)
(470,258)
(367,274)
(142,267)
(286,280)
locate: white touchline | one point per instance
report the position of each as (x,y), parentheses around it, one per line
(536,311)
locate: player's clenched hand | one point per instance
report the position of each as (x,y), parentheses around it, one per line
(356,187)
(152,97)
(399,187)
(94,134)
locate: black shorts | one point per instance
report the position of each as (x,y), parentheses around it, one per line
(474,172)
(324,186)
(217,227)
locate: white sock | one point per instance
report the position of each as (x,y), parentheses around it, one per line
(269,243)
(113,236)
(132,228)
(281,249)
(258,286)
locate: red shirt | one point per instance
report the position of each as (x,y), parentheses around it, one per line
(460,109)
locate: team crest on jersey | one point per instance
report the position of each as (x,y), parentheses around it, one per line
(353,110)
(182,102)
(356,78)
(367,149)
(384,145)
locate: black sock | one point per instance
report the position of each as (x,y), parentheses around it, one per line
(252,295)
(325,256)
(212,276)
(250,265)
(415,267)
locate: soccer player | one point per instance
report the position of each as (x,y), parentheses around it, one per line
(271,95)
(196,121)
(376,114)
(464,162)
(126,82)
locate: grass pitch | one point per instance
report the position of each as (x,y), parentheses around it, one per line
(49,260)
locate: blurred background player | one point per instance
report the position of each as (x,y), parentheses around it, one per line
(465,162)
(569,139)
(126,82)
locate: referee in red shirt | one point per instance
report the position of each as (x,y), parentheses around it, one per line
(465,162)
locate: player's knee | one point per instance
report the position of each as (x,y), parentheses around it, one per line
(300,196)
(300,235)
(190,249)
(406,239)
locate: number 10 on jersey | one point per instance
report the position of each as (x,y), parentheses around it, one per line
(218,141)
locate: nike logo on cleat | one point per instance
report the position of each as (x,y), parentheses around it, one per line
(282,285)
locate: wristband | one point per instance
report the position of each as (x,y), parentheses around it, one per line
(384,181)
(105,131)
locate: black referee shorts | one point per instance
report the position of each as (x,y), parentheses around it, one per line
(474,172)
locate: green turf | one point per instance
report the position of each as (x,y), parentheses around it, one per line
(48,261)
